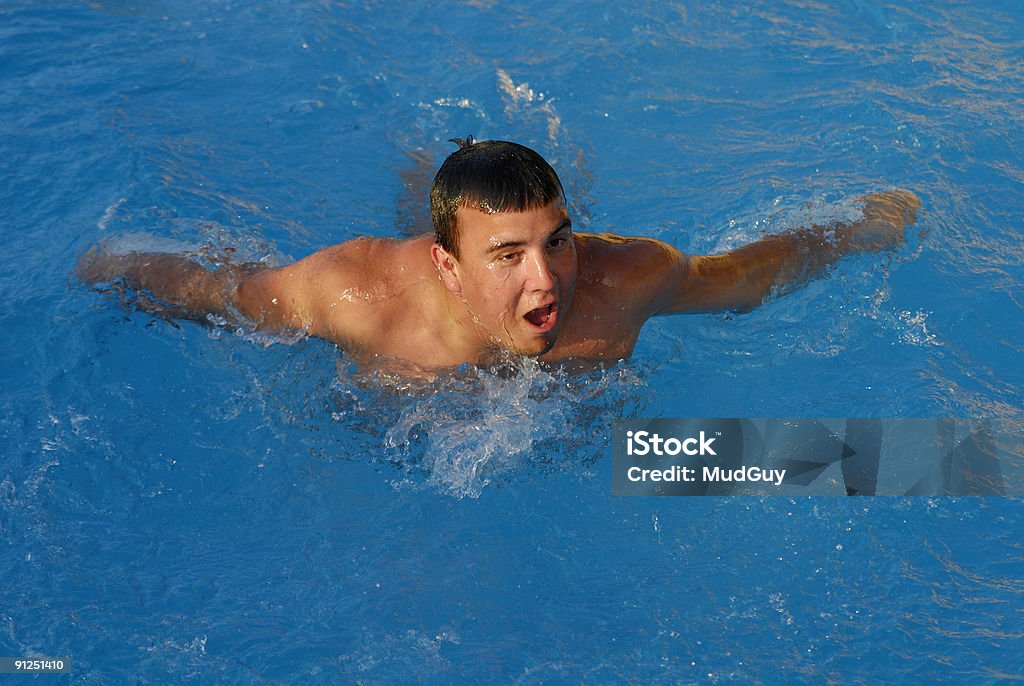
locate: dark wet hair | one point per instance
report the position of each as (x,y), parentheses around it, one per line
(492,176)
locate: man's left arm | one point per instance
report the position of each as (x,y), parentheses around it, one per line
(744,278)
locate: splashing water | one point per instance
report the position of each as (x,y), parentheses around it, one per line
(465,431)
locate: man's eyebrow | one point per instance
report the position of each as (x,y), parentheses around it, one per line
(497,246)
(566,223)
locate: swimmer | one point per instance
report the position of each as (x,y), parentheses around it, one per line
(504,273)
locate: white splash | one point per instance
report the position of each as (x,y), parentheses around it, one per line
(475,431)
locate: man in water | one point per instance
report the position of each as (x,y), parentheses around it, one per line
(503,273)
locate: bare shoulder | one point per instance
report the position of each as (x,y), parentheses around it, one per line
(635,269)
(318,292)
(613,251)
(351,255)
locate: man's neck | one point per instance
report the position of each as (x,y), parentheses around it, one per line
(462,332)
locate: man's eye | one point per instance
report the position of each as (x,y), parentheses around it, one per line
(558,242)
(507,257)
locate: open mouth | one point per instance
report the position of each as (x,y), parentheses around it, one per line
(543,318)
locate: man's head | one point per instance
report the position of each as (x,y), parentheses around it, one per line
(504,243)
(490,176)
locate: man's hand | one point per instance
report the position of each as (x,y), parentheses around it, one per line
(886,216)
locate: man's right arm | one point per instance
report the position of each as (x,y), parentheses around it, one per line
(175,285)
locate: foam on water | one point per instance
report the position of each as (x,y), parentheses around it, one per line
(464,431)
(786,214)
(211,243)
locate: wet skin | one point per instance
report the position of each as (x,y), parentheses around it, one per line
(521,283)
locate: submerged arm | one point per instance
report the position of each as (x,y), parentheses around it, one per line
(249,294)
(174,285)
(743,278)
(166,283)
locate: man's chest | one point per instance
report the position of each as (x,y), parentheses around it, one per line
(596,331)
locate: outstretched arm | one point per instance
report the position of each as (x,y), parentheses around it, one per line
(164,283)
(743,278)
(174,285)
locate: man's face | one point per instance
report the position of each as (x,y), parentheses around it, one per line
(517,274)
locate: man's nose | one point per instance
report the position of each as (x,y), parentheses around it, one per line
(539,276)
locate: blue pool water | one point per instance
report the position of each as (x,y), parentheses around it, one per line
(181,504)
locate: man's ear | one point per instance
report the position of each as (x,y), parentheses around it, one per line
(447,268)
